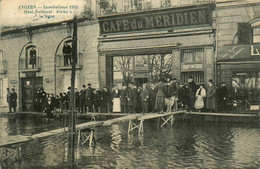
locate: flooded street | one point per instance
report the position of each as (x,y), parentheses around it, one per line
(184,145)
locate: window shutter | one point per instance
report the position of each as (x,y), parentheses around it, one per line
(245,33)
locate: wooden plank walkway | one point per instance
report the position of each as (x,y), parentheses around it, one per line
(11,140)
(156,115)
(223,114)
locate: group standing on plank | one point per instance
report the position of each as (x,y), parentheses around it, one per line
(148,98)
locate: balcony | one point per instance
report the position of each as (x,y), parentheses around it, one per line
(66,65)
(27,66)
(3,67)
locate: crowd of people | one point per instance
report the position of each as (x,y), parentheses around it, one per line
(148,98)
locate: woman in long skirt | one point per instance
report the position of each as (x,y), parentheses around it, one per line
(200,95)
(160,97)
(116,99)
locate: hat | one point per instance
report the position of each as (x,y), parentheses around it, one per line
(89,84)
(69,88)
(174,79)
(211,81)
(13,89)
(7,89)
(84,86)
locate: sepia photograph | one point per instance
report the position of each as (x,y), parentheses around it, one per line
(129,84)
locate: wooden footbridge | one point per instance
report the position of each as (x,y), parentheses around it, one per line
(15,142)
(135,122)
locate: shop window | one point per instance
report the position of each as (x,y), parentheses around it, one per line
(192,55)
(246,90)
(141,68)
(198,77)
(256,35)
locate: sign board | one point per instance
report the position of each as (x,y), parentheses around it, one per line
(192,66)
(230,52)
(48,80)
(157,19)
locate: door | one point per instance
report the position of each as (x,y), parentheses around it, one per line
(29,87)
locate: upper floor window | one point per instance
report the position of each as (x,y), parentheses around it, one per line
(249,32)
(192,55)
(30,56)
(256,35)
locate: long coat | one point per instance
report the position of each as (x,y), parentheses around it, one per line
(89,96)
(211,98)
(13,99)
(123,97)
(160,96)
(131,96)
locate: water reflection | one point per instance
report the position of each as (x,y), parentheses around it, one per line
(184,145)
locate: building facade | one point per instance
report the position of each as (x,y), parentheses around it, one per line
(146,46)
(238,45)
(47,69)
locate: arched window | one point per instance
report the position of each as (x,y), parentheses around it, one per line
(31,57)
(67,52)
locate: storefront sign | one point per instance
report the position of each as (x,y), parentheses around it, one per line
(192,66)
(48,80)
(239,52)
(156,19)
(13,82)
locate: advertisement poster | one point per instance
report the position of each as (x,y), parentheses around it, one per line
(129,84)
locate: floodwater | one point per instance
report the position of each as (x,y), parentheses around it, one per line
(183,145)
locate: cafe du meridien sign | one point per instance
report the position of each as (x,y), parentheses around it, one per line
(157,19)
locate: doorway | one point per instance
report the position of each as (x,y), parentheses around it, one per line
(29,88)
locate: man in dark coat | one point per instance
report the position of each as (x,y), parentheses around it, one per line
(192,85)
(182,96)
(49,108)
(145,98)
(131,96)
(106,102)
(189,97)
(96,100)
(82,96)
(222,97)
(77,99)
(153,92)
(37,100)
(123,99)
(43,99)
(33,57)
(8,99)
(67,52)
(13,100)
(89,98)
(211,97)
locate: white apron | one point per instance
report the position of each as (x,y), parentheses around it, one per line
(116,105)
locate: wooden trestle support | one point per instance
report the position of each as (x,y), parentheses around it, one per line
(132,126)
(84,137)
